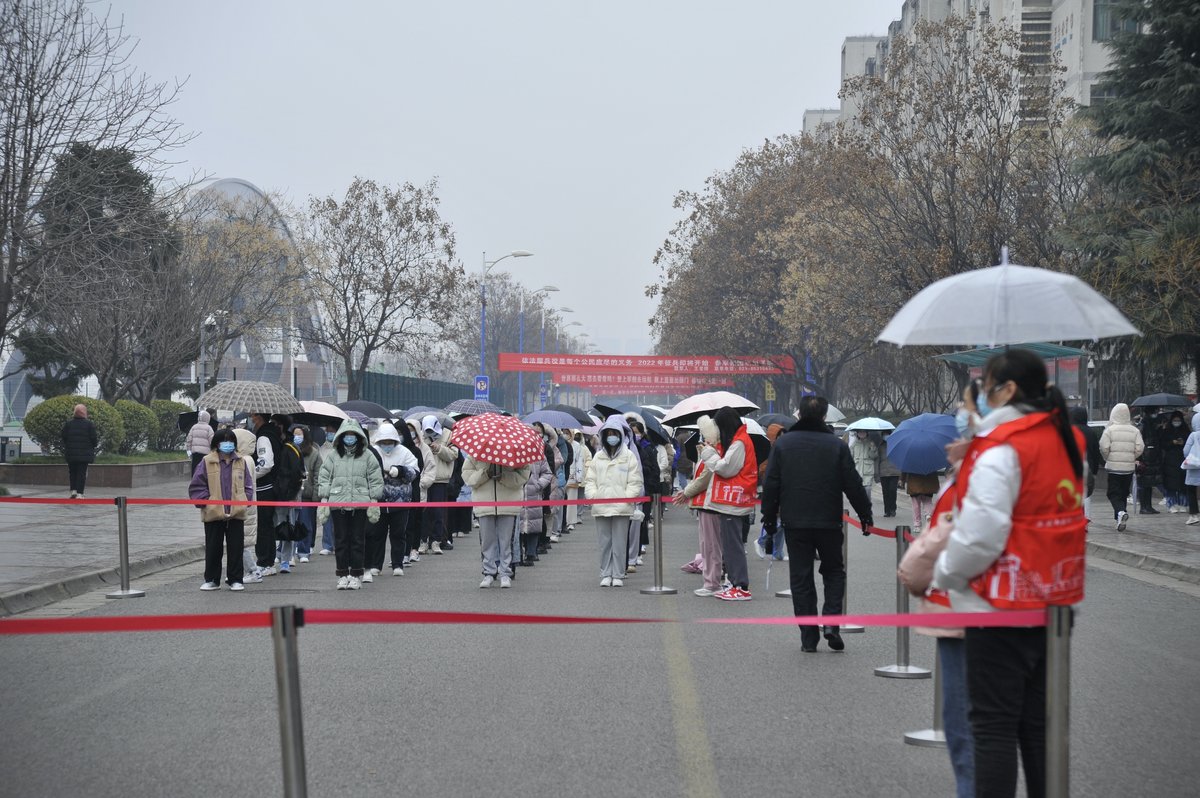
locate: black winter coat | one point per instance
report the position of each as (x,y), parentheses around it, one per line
(808,472)
(80,440)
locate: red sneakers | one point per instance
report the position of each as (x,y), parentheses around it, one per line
(734,594)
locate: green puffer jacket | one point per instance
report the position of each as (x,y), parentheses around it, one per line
(347,477)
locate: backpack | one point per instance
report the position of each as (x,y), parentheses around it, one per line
(289,472)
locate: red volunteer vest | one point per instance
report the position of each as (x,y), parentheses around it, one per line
(698,499)
(1043,561)
(944,506)
(740,490)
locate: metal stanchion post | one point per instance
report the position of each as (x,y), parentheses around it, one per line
(848,627)
(934,736)
(123,542)
(284,623)
(658,589)
(1058,701)
(901,670)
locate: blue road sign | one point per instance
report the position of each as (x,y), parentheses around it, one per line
(481,388)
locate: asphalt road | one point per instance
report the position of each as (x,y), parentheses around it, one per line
(647,710)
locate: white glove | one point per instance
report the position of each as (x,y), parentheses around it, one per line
(394,472)
(373,514)
(322,515)
(638,515)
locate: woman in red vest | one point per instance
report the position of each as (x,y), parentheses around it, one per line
(1017,543)
(732,495)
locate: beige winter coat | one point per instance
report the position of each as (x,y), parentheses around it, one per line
(1121,443)
(438,466)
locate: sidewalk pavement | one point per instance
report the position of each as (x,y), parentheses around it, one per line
(53,552)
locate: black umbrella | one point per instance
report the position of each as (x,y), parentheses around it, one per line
(578,414)
(784,420)
(368,409)
(1162,400)
(188,420)
(653,428)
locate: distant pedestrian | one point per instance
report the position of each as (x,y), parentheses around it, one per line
(79,447)
(223,474)
(1079,419)
(491,482)
(199,438)
(921,488)
(614,473)
(349,475)
(865,454)
(808,472)
(1172,439)
(889,478)
(1191,479)
(1120,445)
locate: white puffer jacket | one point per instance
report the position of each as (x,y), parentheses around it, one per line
(1121,444)
(615,476)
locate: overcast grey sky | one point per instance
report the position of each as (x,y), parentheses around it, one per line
(556,126)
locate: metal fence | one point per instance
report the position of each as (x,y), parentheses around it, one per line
(395,392)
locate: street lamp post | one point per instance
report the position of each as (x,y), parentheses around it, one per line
(521,344)
(487,267)
(542,375)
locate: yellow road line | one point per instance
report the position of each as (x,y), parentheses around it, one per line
(696,765)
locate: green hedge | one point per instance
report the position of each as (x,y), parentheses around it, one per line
(44,423)
(169,438)
(141,426)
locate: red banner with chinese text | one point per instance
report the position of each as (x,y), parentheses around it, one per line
(648,364)
(641,382)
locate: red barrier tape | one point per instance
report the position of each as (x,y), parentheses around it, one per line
(255,620)
(133,500)
(872,530)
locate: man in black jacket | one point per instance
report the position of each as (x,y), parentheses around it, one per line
(79,448)
(808,472)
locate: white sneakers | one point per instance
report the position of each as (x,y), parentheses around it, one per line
(606,582)
(618,582)
(703,591)
(1193,520)
(423,548)
(639,561)
(268,571)
(303,558)
(254,577)
(397,572)
(324,552)
(368,576)
(355,583)
(375,572)
(237,586)
(555,538)
(505,581)
(210,586)
(436,548)
(1122,521)
(343,583)
(488,579)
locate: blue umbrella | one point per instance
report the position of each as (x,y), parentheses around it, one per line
(918,446)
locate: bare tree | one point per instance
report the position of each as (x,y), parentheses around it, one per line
(65,80)
(381,263)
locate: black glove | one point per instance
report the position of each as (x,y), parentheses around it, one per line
(867,523)
(494,470)
(769,543)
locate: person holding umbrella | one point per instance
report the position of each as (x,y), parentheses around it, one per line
(732,494)
(614,473)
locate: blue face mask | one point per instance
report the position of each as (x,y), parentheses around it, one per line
(613,440)
(387,448)
(350,441)
(226,447)
(298,440)
(962,422)
(982,407)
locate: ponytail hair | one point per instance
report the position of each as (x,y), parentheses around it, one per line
(1028,372)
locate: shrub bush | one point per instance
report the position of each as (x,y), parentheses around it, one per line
(141,426)
(169,438)
(44,423)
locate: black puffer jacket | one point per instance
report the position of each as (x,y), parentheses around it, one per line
(808,472)
(80,440)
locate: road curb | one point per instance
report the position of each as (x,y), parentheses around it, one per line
(19,601)
(1145,562)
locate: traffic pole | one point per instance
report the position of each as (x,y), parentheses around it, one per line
(658,589)
(901,670)
(285,621)
(123,542)
(1059,620)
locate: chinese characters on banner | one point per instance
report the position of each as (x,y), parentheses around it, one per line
(648,364)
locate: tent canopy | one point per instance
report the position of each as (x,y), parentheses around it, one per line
(977,357)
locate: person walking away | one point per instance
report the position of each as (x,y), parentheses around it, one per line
(808,473)
(866,456)
(439,456)
(306,517)
(223,474)
(708,561)
(1120,445)
(399,468)
(614,473)
(1191,478)
(1018,543)
(1079,420)
(199,439)
(921,488)
(490,482)
(579,463)
(732,495)
(350,474)
(80,440)
(889,478)
(531,518)
(1172,438)
(266,451)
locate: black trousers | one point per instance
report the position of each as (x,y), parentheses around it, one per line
(889,485)
(802,544)
(349,540)
(1118,491)
(433,519)
(77,474)
(264,541)
(393,525)
(230,535)
(1006,679)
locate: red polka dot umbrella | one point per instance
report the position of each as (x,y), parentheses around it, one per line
(503,440)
